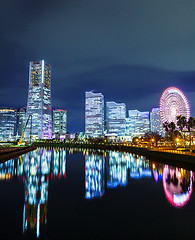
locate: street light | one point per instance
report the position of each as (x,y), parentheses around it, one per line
(177,140)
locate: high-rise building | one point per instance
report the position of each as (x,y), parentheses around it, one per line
(20,121)
(115,116)
(156,125)
(137,123)
(39,100)
(59,123)
(94,114)
(7,123)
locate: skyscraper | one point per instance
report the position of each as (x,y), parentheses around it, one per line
(137,123)
(155,121)
(7,123)
(39,100)
(94,114)
(59,123)
(115,116)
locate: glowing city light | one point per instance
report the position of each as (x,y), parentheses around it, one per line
(172,104)
(177,193)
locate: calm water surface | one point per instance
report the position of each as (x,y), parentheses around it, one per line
(74,194)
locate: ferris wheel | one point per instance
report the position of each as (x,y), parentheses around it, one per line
(172,104)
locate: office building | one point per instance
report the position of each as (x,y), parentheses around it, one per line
(59,123)
(115,116)
(137,123)
(156,125)
(39,100)
(7,123)
(94,114)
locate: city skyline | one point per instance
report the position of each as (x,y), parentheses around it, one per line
(130,52)
(97,119)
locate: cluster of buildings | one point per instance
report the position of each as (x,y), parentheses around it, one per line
(102,172)
(111,119)
(102,119)
(45,122)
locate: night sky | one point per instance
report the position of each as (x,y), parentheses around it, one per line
(129,50)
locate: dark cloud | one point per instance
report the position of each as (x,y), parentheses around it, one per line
(130,50)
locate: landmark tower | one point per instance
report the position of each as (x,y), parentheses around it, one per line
(39,100)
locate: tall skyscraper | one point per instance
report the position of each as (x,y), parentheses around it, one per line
(39,100)
(155,121)
(59,123)
(115,116)
(137,123)
(94,114)
(7,123)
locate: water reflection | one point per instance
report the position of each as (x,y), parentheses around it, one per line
(177,184)
(94,175)
(35,169)
(115,169)
(103,170)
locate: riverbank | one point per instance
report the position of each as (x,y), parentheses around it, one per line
(165,156)
(13,152)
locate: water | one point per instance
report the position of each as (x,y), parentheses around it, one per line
(74,194)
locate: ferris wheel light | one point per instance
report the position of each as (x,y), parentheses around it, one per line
(172,104)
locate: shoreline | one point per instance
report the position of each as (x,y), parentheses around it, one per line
(184,160)
(7,154)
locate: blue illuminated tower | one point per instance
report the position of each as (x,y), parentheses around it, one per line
(155,121)
(39,100)
(94,114)
(59,123)
(7,123)
(115,115)
(137,123)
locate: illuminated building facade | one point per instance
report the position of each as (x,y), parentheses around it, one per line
(156,125)
(137,123)
(115,116)
(7,123)
(20,121)
(39,100)
(59,123)
(94,114)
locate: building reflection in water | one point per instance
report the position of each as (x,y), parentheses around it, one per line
(35,169)
(102,170)
(115,169)
(138,167)
(94,175)
(177,184)
(7,170)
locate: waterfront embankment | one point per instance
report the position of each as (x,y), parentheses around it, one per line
(12,152)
